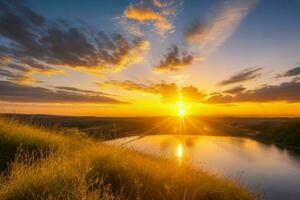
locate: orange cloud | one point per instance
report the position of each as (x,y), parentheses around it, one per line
(140,13)
(168,91)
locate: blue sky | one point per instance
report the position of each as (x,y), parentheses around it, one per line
(202,44)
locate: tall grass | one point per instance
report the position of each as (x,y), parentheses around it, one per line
(86,169)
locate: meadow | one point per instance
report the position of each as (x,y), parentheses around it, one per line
(39,163)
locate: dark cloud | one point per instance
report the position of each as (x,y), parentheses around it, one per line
(245,75)
(13,92)
(292,72)
(33,17)
(174,60)
(18,67)
(15,77)
(39,67)
(22,73)
(197,28)
(72,89)
(36,40)
(287,92)
(4,59)
(235,90)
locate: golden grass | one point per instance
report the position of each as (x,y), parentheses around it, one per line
(94,170)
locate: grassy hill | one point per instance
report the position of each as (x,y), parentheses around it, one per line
(57,165)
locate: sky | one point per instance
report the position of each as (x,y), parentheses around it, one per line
(150,57)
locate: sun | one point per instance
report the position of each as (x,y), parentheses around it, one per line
(181,112)
(181,109)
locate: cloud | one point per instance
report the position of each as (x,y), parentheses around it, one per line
(245,75)
(28,67)
(160,19)
(22,72)
(292,72)
(163,3)
(62,43)
(17,67)
(169,92)
(15,77)
(286,91)
(235,90)
(72,89)
(213,32)
(174,60)
(13,92)
(129,26)
(192,94)
(141,13)
(127,85)
(37,67)
(3,59)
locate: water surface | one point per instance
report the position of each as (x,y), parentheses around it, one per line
(264,168)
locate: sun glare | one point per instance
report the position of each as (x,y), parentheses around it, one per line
(181,110)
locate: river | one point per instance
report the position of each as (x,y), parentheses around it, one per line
(266,169)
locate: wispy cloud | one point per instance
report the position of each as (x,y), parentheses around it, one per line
(159,15)
(211,33)
(245,75)
(73,89)
(15,77)
(23,71)
(13,92)
(286,91)
(168,91)
(235,90)
(291,73)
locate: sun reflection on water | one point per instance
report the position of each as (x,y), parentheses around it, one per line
(179,151)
